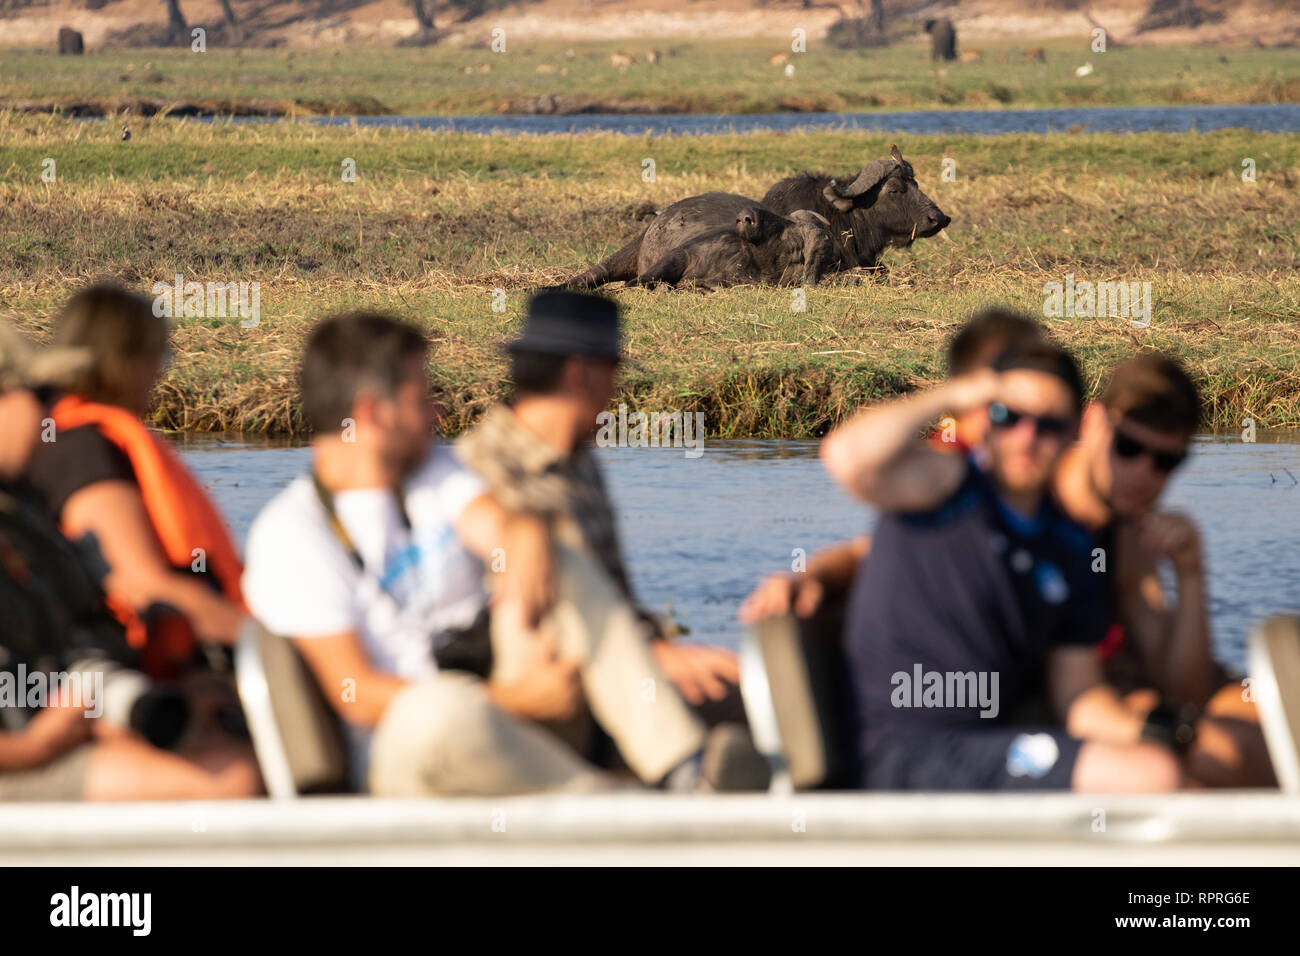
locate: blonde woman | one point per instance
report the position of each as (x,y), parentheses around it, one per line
(49,602)
(173,572)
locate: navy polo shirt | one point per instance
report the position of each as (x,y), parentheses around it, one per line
(971,587)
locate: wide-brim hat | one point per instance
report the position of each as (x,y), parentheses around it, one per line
(22,366)
(570,323)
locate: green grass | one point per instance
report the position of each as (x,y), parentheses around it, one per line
(436,222)
(714,76)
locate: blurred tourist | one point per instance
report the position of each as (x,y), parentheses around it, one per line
(373,565)
(173,572)
(979,595)
(1131,442)
(53,618)
(535,454)
(829,572)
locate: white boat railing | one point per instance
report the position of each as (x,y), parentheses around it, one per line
(1239,827)
(1206,827)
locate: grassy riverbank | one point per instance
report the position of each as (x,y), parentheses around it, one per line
(436,222)
(713,75)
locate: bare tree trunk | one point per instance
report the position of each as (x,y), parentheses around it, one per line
(177,29)
(235,31)
(860,22)
(423,15)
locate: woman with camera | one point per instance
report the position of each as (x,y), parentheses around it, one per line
(56,633)
(173,572)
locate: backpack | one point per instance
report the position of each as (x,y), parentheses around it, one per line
(52,610)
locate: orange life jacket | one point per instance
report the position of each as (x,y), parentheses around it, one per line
(183,518)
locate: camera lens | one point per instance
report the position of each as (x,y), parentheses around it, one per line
(160,716)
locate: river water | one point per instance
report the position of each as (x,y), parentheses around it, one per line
(1273,117)
(698,533)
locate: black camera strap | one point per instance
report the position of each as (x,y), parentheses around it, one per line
(467,648)
(341,533)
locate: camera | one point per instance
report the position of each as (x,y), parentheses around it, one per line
(466,648)
(129,700)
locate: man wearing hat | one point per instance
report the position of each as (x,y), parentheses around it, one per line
(534,453)
(374,563)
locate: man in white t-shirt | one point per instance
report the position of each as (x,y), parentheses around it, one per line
(411,581)
(380,549)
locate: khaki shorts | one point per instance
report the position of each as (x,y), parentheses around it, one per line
(62,779)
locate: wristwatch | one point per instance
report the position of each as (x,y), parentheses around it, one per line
(1174,727)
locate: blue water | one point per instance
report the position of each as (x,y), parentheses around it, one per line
(1273,118)
(699,533)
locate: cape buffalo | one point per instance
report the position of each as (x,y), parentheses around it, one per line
(721,239)
(943,39)
(762,247)
(882,207)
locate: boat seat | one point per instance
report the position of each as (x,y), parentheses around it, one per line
(795,684)
(1273,660)
(296,734)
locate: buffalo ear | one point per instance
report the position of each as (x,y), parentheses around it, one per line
(895,154)
(832,195)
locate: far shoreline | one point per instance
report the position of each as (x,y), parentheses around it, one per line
(158,109)
(555,79)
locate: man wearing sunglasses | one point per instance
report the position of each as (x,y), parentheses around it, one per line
(1158,656)
(829,572)
(979,595)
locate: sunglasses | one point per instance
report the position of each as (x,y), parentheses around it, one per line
(1047,425)
(1165,461)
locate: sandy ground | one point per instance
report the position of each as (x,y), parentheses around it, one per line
(385,22)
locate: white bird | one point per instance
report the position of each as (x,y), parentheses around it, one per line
(1083,70)
(126,134)
(789,69)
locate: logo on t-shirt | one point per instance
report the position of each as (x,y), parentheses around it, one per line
(1032,755)
(1051,583)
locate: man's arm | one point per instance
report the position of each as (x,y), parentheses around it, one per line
(1175,644)
(550,689)
(835,566)
(114,512)
(525,543)
(1085,703)
(830,571)
(52,732)
(357,692)
(878,457)
(699,671)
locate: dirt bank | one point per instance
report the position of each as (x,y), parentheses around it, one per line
(386,22)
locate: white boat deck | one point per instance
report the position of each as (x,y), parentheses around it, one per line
(1230,828)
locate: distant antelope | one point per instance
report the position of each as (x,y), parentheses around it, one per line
(778,59)
(1036,55)
(620,60)
(971,56)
